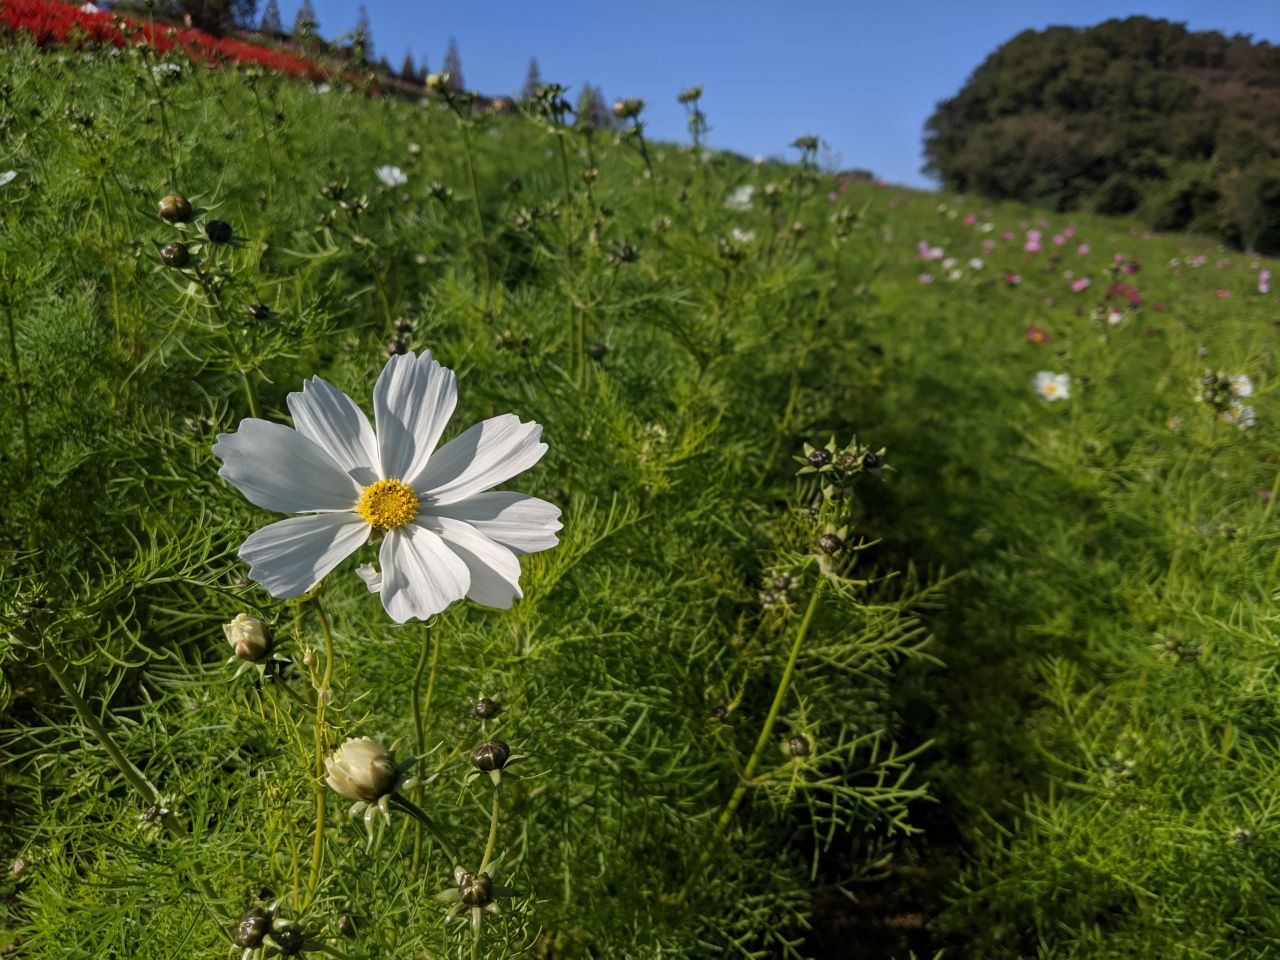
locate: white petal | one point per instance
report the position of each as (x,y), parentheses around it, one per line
(412,403)
(291,556)
(495,571)
(279,469)
(525,524)
(371,577)
(488,453)
(328,416)
(420,575)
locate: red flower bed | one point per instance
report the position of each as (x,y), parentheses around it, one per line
(50,22)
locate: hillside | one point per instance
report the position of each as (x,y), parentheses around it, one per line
(914,589)
(1136,115)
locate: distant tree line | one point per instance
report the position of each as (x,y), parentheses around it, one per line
(1138,116)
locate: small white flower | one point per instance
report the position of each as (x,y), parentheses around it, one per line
(165,71)
(391,176)
(949,263)
(758,160)
(445,533)
(1052,386)
(1241,385)
(976,263)
(740,199)
(321,88)
(1241,414)
(361,770)
(955,275)
(8,177)
(90,8)
(1116,317)
(742,236)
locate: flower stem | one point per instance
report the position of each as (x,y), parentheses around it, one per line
(323,695)
(20,386)
(411,808)
(421,710)
(131,773)
(493,831)
(766,734)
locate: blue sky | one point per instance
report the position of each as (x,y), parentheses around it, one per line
(863,75)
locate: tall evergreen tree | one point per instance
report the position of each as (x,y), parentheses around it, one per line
(408,69)
(362,41)
(532,80)
(453,67)
(592,109)
(305,23)
(271,22)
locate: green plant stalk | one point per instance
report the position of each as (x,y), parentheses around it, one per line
(322,700)
(469,155)
(493,831)
(762,742)
(137,779)
(421,710)
(411,808)
(20,386)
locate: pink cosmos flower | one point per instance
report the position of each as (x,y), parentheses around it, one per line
(1078,286)
(1264,281)
(1119,258)
(1221,294)
(1007,236)
(926,278)
(988,245)
(1038,336)
(1032,245)
(1070,231)
(1012,279)
(1084,249)
(970,220)
(929,253)
(1059,239)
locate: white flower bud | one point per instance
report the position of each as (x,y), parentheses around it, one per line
(361,769)
(248,637)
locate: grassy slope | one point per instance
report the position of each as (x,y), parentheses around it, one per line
(1099,538)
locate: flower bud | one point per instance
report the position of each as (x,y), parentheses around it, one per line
(175,254)
(219,231)
(490,755)
(249,930)
(476,889)
(248,637)
(175,208)
(361,769)
(396,347)
(819,457)
(260,311)
(487,708)
(798,747)
(437,82)
(830,543)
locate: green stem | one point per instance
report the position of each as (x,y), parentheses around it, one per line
(323,693)
(421,710)
(411,808)
(493,832)
(475,206)
(131,773)
(762,742)
(21,386)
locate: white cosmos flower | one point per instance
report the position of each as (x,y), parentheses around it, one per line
(740,198)
(391,176)
(1052,386)
(8,177)
(445,533)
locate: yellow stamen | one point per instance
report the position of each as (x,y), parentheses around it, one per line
(387,504)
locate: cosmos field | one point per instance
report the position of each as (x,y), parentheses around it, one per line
(903,577)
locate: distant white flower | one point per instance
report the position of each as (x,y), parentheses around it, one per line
(321,88)
(1052,386)
(90,8)
(1116,317)
(742,236)
(165,71)
(740,199)
(1241,414)
(445,533)
(1241,385)
(949,263)
(758,159)
(976,263)
(391,176)
(8,177)
(955,274)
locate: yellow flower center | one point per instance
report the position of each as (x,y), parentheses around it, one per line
(387,504)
